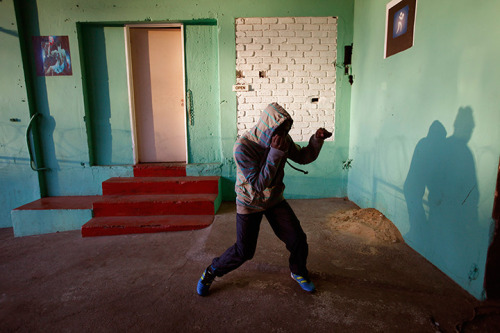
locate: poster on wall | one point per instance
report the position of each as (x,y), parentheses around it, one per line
(400,26)
(52,56)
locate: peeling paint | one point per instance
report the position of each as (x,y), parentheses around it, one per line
(473,273)
(346,165)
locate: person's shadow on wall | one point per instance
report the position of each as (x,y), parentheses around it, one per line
(444,218)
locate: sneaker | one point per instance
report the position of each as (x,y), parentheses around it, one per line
(305,284)
(205,281)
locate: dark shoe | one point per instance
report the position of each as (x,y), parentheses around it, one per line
(205,281)
(305,284)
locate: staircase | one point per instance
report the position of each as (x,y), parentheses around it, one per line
(160,197)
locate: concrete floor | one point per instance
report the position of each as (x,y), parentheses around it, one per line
(146,283)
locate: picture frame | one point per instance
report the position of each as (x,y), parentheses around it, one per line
(52,55)
(400,26)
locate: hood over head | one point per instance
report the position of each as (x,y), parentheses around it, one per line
(270,119)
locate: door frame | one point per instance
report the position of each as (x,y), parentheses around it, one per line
(130,81)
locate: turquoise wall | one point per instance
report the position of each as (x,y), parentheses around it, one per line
(85,124)
(106,94)
(424,130)
(18,183)
(202,85)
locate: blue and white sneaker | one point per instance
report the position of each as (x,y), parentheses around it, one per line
(305,284)
(205,281)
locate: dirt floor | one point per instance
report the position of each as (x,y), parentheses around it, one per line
(367,279)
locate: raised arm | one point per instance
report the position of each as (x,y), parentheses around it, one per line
(305,155)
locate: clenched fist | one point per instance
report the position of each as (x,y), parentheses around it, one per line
(322,134)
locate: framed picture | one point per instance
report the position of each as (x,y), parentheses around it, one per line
(52,56)
(400,26)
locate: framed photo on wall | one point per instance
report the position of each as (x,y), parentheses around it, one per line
(400,26)
(52,56)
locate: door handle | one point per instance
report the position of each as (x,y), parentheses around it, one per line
(190,110)
(28,141)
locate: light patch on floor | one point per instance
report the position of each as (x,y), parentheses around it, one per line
(369,224)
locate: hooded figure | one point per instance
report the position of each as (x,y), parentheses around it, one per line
(260,167)
(260,155)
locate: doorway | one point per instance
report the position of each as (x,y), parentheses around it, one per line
(156,76)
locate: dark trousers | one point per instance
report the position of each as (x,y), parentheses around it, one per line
(284,224)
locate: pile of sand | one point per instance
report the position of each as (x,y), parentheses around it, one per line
(367,223)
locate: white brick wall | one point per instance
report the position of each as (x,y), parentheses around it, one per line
(296,55)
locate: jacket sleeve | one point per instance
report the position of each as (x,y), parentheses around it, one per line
(305,155)
(258,173)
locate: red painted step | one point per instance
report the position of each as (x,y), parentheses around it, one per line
(160,185)
(158,198)
(121,225)
(160,170)
(56,203)
(147,205)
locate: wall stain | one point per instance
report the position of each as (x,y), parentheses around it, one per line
(473,273)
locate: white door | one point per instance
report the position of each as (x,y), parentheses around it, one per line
(158,91)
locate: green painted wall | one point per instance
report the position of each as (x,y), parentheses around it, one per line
(106,91)
(36,222)
(63,139)
(202,85)
(18,183)
(84,127)
(424,130)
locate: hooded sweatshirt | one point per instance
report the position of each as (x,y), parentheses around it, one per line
(260,167)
